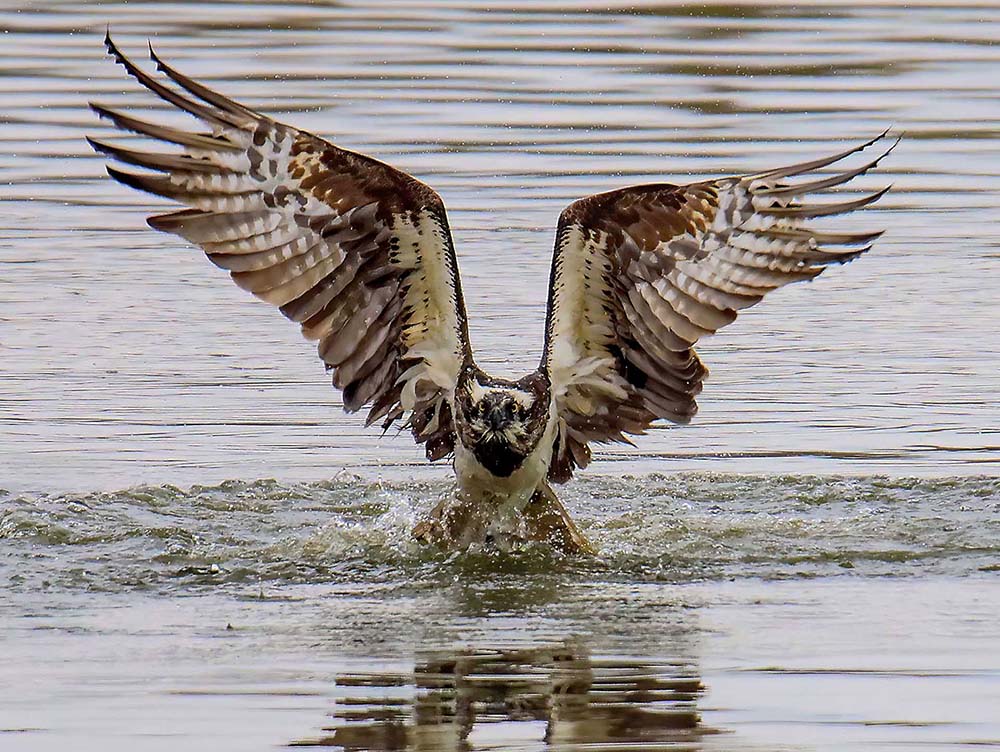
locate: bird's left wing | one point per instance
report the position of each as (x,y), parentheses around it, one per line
(640,274)
(357,252)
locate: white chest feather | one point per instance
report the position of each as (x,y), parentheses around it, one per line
(498,502)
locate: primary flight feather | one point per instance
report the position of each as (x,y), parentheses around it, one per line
(360,255)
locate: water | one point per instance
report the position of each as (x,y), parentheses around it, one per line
(809,566)
(724,612)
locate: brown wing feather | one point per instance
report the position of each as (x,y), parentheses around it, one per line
(355,251)
(640,274)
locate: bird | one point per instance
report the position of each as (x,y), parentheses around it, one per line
(360,255)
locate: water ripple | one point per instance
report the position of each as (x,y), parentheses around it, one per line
(651,528)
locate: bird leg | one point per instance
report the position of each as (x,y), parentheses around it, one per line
(453,523)
(547,520)
(456,523)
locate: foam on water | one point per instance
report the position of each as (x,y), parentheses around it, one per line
(650,528)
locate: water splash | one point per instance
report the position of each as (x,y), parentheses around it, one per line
(654,528)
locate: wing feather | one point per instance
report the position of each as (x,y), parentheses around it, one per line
(641,274)
(356,252)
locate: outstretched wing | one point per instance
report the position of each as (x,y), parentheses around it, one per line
(358,253)
(641,274)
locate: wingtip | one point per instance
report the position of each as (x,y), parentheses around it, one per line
(117,54)
(898,137)
(130,179)
(109,44)
(117,152)
(853,255)
(153,56)
(96,145)
(875,140)
(804,167)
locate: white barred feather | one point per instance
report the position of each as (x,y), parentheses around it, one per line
(641,274)
(359,254)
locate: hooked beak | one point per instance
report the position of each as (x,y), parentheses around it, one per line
(496,418)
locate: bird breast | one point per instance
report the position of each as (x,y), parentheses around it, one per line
(477,483)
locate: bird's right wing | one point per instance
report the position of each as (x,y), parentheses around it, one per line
(639,275)
(357,252)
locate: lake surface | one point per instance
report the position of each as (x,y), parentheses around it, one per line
(199,550)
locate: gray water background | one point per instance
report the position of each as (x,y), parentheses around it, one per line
(819,549)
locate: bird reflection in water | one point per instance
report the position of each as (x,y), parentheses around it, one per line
(518,699)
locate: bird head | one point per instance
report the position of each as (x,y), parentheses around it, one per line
(500,421)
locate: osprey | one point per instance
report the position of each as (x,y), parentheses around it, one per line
(360,255)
